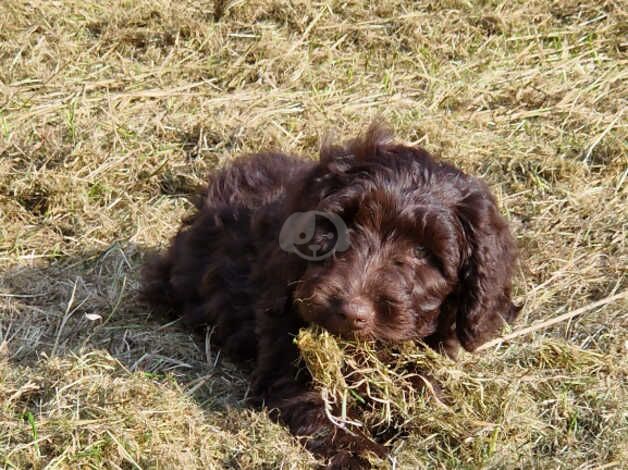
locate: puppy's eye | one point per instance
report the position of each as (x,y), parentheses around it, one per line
(420,251)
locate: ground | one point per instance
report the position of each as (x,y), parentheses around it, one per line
(112,112)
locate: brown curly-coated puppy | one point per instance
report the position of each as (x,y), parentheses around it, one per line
(375,239)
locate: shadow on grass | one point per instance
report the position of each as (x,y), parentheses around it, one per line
(75,305)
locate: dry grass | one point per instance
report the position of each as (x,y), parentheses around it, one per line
(111,112)
(525,406)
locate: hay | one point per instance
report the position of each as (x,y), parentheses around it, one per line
(501,411)
(88,410)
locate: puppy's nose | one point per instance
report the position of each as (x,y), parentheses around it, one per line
(357,311)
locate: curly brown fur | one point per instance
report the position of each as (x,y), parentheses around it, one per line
(430,258)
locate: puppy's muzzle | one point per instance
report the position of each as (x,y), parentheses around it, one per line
(356,314)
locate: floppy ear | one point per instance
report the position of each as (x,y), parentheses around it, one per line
(484,304)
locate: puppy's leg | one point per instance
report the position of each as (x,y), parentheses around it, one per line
(233,326)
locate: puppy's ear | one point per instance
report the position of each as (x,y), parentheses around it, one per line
(484,304)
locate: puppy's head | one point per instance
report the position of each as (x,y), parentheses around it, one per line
(417,237)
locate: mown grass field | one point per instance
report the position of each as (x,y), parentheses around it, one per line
(113,111)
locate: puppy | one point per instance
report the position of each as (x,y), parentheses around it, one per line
(375,240)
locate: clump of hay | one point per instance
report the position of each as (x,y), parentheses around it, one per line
(369,385)
(483,408)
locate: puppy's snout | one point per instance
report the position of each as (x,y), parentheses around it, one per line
(358,312)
